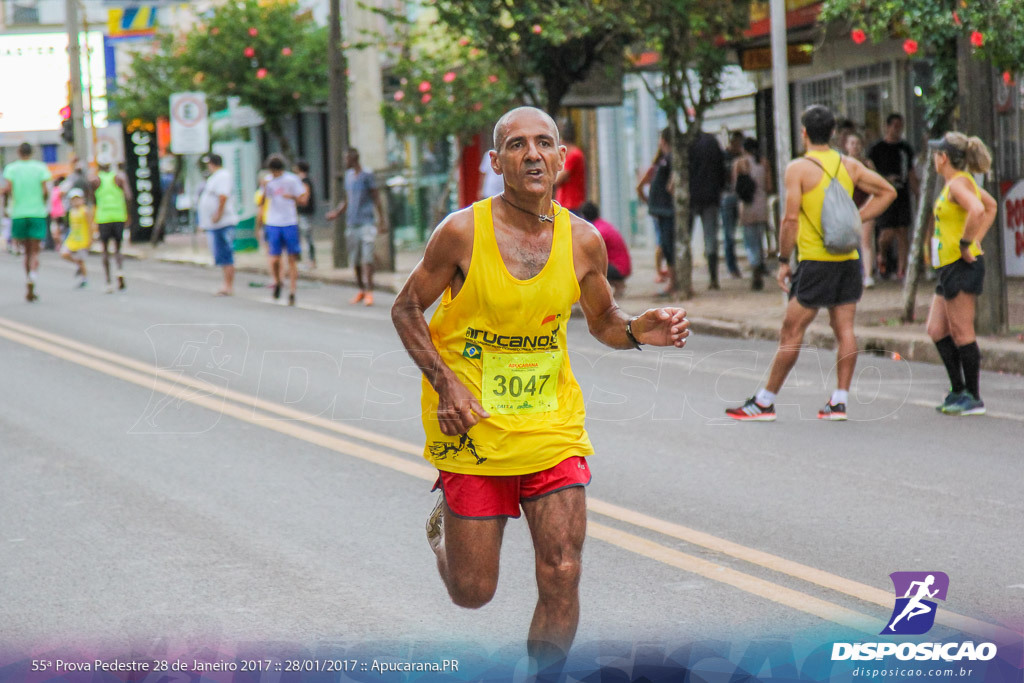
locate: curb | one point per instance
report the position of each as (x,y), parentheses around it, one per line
(907,346)
(910,347)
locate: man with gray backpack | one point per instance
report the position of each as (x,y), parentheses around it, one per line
(823,224)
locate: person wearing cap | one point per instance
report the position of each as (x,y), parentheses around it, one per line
(80,229)
(113,197)
(964,212)
(217,217)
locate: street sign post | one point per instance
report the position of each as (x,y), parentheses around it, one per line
(190,130)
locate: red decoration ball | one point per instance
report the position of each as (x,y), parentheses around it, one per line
(426,98)
(261,73)
(910,46)
(286,51)
(858,36)
(425,86)
(250,52)
(977,38)
(449,77)
(253,31)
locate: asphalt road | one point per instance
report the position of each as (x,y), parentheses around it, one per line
(183,469)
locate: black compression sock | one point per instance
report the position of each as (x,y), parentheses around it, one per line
(951,358)
(970,357)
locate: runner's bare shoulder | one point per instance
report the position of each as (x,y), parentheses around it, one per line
(452,240)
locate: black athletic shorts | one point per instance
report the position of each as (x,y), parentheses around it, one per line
(960,276)
(111,231)
(897,215)
(824,284)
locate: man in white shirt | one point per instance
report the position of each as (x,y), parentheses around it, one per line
(491,184)
(218,217)
(281,223)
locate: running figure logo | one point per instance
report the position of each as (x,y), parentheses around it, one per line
(914,611)
(440,450)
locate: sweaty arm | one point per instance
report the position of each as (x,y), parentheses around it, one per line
(446,258)
(882,192)
(607,322)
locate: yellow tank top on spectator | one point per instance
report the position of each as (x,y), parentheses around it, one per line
(810,240)
(505,339)
(79,231)
(950,221)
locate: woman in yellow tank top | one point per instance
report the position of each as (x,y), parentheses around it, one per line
(963,214)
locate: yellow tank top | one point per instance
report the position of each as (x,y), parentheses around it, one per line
(950,221)
(79,230)
(505,339)
(810,241)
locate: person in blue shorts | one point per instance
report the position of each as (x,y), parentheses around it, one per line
(282,194)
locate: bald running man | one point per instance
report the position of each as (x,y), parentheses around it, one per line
(502,411)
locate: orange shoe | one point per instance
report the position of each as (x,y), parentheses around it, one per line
(368,299)
(358,297)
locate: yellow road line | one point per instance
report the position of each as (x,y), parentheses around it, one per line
(422,471)
(790,568)
(294,429)
(744,582)
(631,542)
(245,399)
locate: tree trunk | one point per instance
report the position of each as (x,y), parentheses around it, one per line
(283,142)
(165,204)
(917,242)
(681,196)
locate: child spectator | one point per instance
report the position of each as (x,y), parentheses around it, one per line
(619,264)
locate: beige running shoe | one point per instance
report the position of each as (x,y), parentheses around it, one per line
(435,524)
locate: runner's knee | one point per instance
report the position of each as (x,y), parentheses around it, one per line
(471,592)
(558,577)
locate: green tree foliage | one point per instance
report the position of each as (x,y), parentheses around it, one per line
(931,30)
(156,74)
(934,30)
(445,89)
(539,47)
(270,55)
(691,39)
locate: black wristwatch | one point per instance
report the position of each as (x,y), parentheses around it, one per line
(629,332)
(965,243)
(783,259)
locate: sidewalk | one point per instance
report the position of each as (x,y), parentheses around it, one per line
(733,311)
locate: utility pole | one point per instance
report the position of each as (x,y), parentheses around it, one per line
(337,129)
(75,62)
(780,93)
(977,117)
